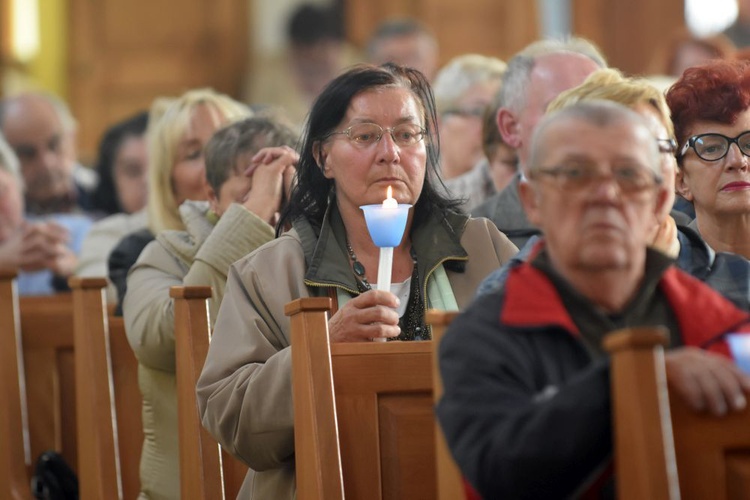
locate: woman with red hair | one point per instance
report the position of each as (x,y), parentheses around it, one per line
(710,107)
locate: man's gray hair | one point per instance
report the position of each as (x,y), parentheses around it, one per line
(600,113)
(513,92)
(460,74)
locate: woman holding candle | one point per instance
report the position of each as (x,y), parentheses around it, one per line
(371,128)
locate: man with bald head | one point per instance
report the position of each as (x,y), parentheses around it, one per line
(535,76)
(41,132)
(526,403)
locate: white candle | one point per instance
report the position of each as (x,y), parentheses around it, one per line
(390,201)
(385,266)
(385,263)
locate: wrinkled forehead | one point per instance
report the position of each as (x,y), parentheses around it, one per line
(584,140)
(395,98)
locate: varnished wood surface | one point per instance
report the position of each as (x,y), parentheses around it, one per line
(449,482)
(663,449)
(364,426)
(15,453)
(110,429)
(206,471)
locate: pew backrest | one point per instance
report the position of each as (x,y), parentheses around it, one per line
(110,429)
(449,481)
(663,449)
(206,471)
(363,418)
(15,452)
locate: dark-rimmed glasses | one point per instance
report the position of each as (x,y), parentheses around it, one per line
(365,134)
(714,147)
(629,179)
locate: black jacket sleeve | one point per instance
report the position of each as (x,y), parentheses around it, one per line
(122,258)
(525,411)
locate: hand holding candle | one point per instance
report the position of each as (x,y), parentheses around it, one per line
(386,224)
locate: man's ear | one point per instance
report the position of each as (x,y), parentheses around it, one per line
(320,154)
(530,201)
(509,128)
(213,199)
(681,185)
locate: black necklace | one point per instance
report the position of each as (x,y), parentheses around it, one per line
(412,322)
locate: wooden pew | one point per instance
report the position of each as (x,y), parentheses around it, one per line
(109,403)
(46,324)
(662,448)
(206,471)
(449,480)
(15,453)
(363,418)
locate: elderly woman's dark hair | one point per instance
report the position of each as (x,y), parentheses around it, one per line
(104,198)
(311,194)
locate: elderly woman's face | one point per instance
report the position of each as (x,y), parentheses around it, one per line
(363,170)
(722,187)
(461,129)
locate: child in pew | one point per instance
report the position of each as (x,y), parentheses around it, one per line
(249,168)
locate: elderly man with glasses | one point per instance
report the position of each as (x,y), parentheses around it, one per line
(526,407)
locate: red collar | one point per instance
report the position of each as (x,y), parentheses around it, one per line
(703,315)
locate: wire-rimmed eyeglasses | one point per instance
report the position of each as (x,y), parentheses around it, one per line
(365,134)
(630,179)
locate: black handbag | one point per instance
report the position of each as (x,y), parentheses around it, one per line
(53,478)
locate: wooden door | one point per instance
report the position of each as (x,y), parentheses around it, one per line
(629,32)
(497,28)
(123,54)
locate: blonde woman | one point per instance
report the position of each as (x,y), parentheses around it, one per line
(178,130)
(177,173)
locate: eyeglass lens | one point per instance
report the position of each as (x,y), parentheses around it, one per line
(404,134)
(713,147)
(629,179)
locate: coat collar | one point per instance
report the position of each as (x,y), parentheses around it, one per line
(528,288)
(328,264)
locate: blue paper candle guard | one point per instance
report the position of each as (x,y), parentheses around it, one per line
(386,225)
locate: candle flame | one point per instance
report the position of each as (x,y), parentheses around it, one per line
(389,192)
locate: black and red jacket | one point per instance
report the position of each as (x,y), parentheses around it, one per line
(526,410)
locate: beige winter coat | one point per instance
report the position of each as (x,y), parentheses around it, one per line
(199,256)
(244,392)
